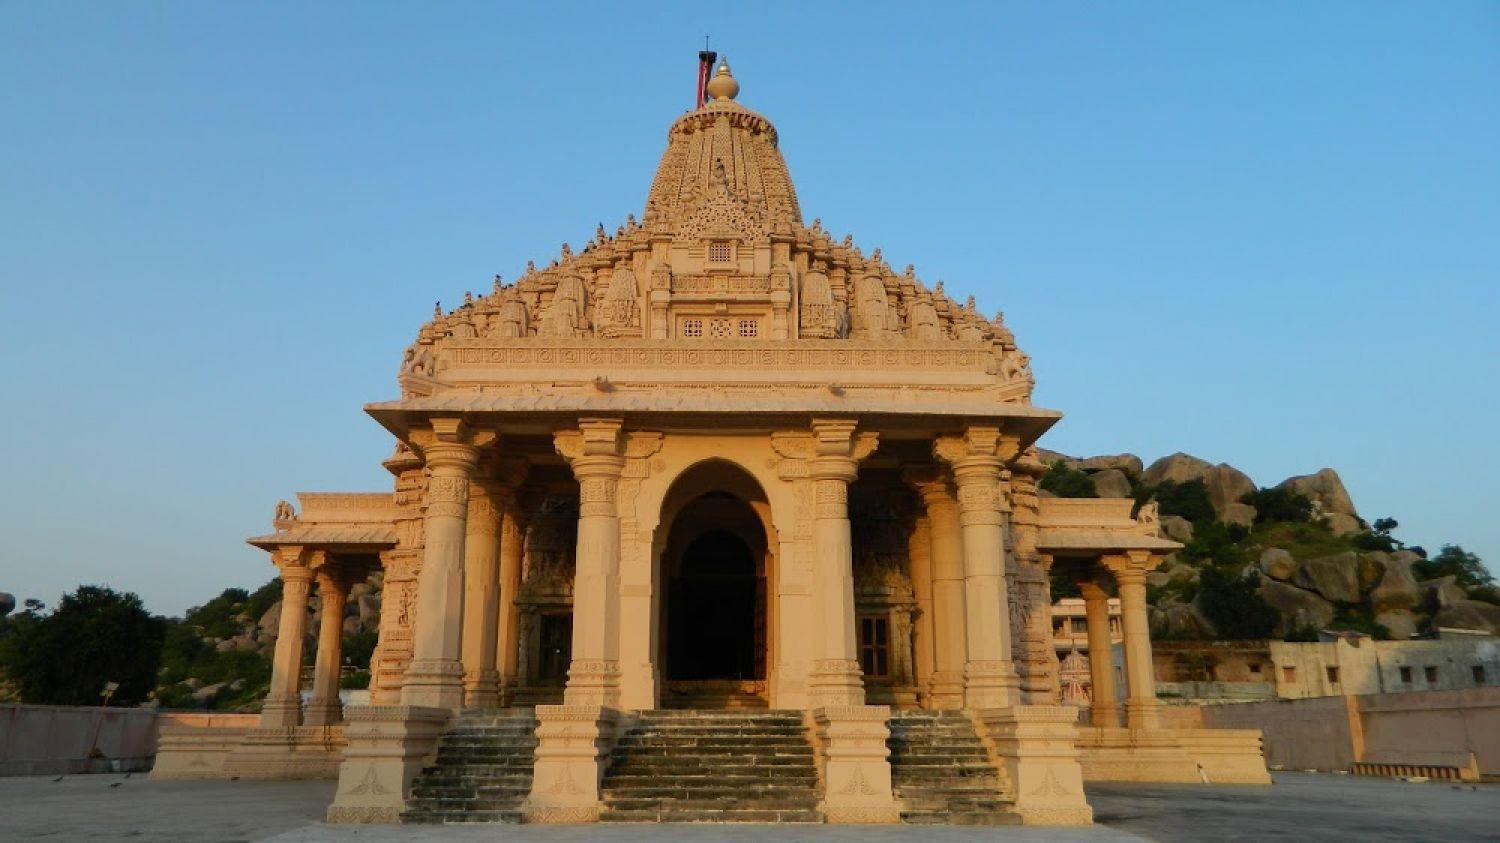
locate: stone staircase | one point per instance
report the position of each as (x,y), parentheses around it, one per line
(482,772)
(713,766)
(941,772)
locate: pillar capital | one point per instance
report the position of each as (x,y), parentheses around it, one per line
(1130,568)
(451,441)
(296,563)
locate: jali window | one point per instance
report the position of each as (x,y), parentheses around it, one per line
(720,251)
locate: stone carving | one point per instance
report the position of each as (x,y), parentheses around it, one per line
(567,315)
(283,517)
(817,313)
(511,322)
(922,320)
(618,311)
(872,316)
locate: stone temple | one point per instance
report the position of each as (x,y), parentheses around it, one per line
(718,517)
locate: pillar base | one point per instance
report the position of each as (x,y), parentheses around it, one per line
(281,712)
(1104,716)
(1142,714)
(434,683)
(990,685)
(1036,749)
(322,712)
(853,756)
(387,747)
(836,682)
(573,745)
(946,691)
(482,691)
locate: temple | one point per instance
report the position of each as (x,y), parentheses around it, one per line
(718,473)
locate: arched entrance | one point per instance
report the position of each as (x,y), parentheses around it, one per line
(716,565)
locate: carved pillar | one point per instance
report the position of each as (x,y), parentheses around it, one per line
(435,677)
(283,705)
(508,645)
(1130,575)
(950,650)
(399,588)
(482,594)
(1039,682)
(595,452)
(919,551)
(333,593)
(990,675)
(836,678)
(1105,708)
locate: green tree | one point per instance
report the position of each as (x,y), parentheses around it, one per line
(96,635)
(1068,482)
(1186,500)
(1232,605)
(1279,504)
(1466,568)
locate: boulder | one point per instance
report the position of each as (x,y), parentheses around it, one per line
(353,626)
(1178,467)
(207,691)
(1172,619)
(1111,483)
(1469,614)
(1226,484)
(1441,592)
(1343,525)
(1278,564)
(193,682)
(1402,624)
(1157,579)
(1177,528)
(1326,488)
(1335,577)
(1126,463)
(1181,573)
(1242,514)
(1396,590)
(369,610)
(1049,457)
(1297,609)
(7,603)
(225,646)
(271,619)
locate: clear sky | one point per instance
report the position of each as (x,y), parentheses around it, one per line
(1263,233)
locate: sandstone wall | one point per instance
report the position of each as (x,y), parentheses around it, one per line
(1331,733)
(37,740)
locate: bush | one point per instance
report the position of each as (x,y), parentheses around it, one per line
(1232,605)
(1279,504)
(1186,500)
(1465,568)
(1068,482)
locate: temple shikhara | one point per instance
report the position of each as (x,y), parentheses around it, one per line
(715,517)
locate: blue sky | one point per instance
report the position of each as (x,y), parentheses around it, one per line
(1267,234)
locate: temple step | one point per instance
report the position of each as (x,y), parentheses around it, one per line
(482,772)
(718,766)
(941,772)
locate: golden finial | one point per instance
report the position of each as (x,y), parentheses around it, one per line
(723,86)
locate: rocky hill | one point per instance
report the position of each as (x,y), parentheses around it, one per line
(1283,561)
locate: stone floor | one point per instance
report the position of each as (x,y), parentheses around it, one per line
(1301,806)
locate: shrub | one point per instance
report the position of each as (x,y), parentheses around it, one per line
(1466,568)
(1232,605)
(1068,482)
(1279,504)
(1186,500)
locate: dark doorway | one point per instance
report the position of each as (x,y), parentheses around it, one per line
(716,609)
(556,651)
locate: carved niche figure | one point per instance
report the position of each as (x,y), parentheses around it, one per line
(511,322)
(815,307)
(1015,365)
(922,319)
(873,317)
(284,516)
(618,311)
(418,360)
(567,315)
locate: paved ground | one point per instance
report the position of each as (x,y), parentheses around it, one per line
(1301,806)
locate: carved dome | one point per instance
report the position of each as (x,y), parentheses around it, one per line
(723,146)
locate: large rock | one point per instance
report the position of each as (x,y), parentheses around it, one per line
(1442,591)
(271,619)
(7,603)
(1226,484)
(1469,614)
(1335,577)
(1343,525)
(1278,564)
(1402,625)
(1176,528)
(1397,590)
(1172,619)
(1128,463)
(1242,514)
(1049,457)
(1326,488)
(1297,609)
(1111,483)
